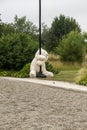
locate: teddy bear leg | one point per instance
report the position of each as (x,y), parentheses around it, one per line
(49,74)
(32,74)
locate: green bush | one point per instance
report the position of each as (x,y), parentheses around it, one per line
(16,50)
(82,76)
(83,81)
(5,73)
(49,67)
(85,39)
(24,72)
(71,48)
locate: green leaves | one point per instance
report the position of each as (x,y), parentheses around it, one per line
(71,48)
(22,25)
(16,50)
(60,27)
(18,43)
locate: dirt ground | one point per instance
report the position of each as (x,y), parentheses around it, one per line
(26,106)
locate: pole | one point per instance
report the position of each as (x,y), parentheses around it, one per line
(40,27)
(40,74)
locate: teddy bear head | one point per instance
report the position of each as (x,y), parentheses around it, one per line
(41,58)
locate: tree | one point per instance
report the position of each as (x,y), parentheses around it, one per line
(6,29)
(0,26)
(85,40)
(71,48)
(45,31)
(60,27)
(23,25)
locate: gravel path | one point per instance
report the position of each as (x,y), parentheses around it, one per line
(26,106)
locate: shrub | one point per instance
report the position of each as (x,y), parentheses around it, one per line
(24,72)
(16,50)
(83,81)
(71,48)
(5,73)
(85,39)
(82,76)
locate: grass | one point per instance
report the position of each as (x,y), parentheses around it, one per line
(65,66)
(65,75)
(67,71)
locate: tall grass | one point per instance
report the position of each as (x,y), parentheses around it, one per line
(82,73)
(67,71)
(56,63)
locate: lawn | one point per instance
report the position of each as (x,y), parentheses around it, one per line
(67,71)
(65,75)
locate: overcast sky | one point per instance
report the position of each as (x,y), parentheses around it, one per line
(50,9)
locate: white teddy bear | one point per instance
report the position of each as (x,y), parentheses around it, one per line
(39,60)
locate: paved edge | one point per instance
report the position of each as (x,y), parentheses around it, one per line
(50,83)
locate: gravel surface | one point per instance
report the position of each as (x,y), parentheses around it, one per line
(26,106)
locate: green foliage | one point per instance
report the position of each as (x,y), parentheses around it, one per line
(22,25)
(24,72)
(16,50)
(18,43)
(71,48)
(83,81)
(49,67)
(85,35)
(6,29)
(60,26)
(85,39)
(5,73)
(82,76)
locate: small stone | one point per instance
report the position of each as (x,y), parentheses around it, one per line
(53,82)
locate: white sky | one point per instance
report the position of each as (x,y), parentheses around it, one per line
(50,9)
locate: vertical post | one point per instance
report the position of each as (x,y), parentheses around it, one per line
(40,27)
(40,31)
(40,74)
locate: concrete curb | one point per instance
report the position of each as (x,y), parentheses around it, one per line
(53,84)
